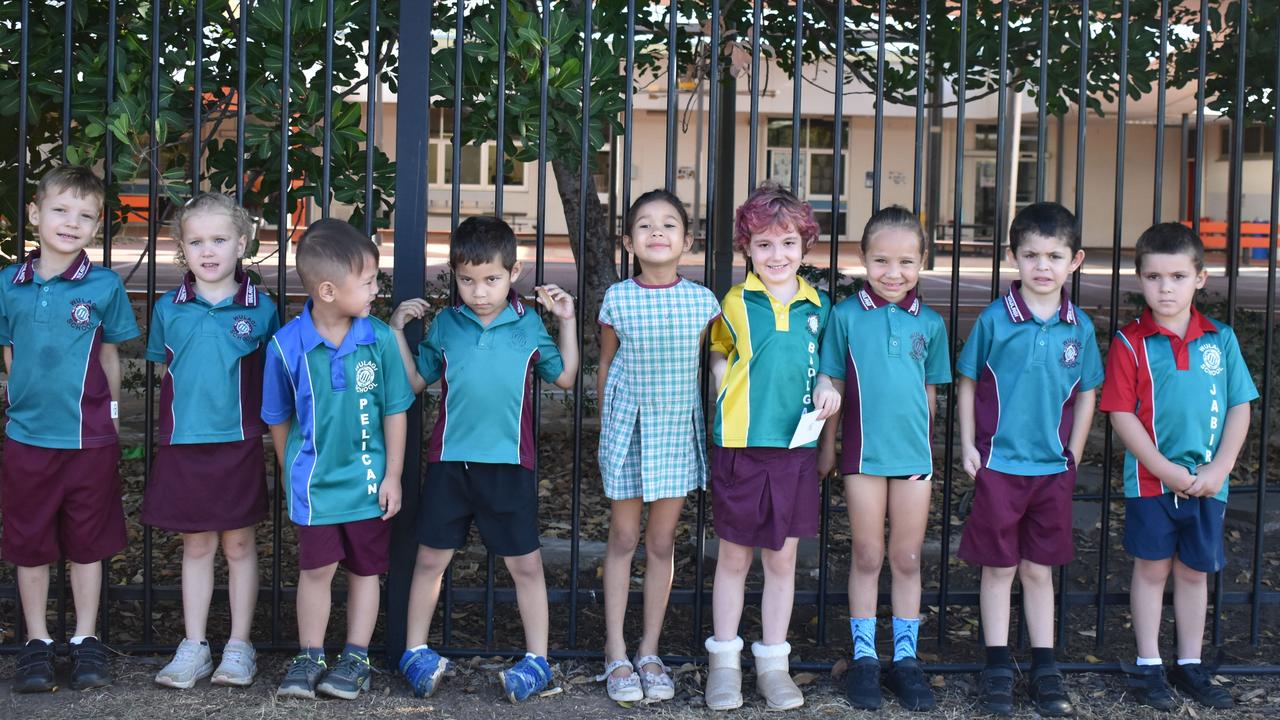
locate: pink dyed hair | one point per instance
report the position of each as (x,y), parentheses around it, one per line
(773,207)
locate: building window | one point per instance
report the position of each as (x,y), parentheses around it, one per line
(817,160)
(478,169)
(1259,141)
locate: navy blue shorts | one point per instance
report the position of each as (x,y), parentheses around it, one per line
(502,501)
(1157,528)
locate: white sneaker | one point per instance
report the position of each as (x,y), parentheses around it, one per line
(190,664)
(239,665)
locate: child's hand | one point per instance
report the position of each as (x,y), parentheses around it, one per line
(555,299)
(1178,479)
(414,309)
(826,400)
(389,497)
(826,459)
(972,460)
(1207,482)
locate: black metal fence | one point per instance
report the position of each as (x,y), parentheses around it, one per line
(86,81)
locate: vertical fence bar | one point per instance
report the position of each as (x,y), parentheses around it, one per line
(673,52)
(1059,167)
(1183,148)
(795,100)
(1202,51)
(20,224)
(753,125)
(108,179)
(282,292)
(242,67)
(1002,193)
(1042,120)
(877,158)
(1082,112)
(944,571)
(326,140)
(68,44)
(917,182)
(540,238)
(628,112)
(373,106)
(1157,198)
(197,98)
(153,228)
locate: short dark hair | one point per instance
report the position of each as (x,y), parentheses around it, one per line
(894,216)
(81,180)
(1046,219)
(479,239)
(1169,238)
(658,195)
(332,249)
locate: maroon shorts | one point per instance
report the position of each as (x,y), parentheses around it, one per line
(1020,517)
(214,486)
(363,546)
(60,503)
(761,495)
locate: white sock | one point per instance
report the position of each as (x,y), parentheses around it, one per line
(79,639)
(1188,661)
(416,648)
(46,641)
(1148,661)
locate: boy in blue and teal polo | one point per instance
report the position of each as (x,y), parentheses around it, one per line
(1178,393)
(335,396)
(1028,377)
(61,319)
(484,350)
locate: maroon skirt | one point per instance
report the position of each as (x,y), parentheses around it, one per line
(207,487)
(760,496)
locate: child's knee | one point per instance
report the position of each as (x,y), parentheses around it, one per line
(1186,575)
(868,556)
(734,559)
(1035,573)
(1000,574)
(623,539)
(198,546)
(1151,571)
(239,546)
(782,562)
(431,561)
(905,561)
(524,568)
(658,548)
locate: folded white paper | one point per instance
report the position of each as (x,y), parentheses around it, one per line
(807,431)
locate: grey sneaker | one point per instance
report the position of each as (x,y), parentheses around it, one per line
(239,665)
(347,678)
(301,677)
(190,664)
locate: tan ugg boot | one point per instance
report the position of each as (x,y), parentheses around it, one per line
(724,674)
(773,676)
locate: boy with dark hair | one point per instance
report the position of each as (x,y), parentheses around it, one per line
(480,463)
(1027,379)
(61,319)
(335,394)
(1178,392)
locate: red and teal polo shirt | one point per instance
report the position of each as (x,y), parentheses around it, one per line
(58,392)
(1180,388)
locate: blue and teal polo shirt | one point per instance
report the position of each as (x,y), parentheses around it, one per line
(486,389)
(211,391)
(886,353)
(58,392)
(1028,373)
(1180,388)
(336,398)
(772,351)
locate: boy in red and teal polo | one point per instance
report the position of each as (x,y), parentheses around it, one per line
(1178,392)
(61,319)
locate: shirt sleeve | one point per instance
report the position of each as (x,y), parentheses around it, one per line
(155,338)
(834,347)
(5,337)
(118,323)
(1240,387)
(550,364)
(1091,374)
(430,357)
(397,395)
(607,313)
(721,337)
(277,387)
(711,307)
(974,353)
(937,359)
(1120,388)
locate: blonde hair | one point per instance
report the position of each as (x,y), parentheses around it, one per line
(81,180)
(210,203)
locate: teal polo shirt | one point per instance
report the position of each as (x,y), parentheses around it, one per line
(58,392)
(486,388)
(335,399)
(211,391)
(886,353)
(1179,387)
(1028,373)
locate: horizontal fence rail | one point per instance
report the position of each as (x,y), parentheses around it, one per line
(386,114)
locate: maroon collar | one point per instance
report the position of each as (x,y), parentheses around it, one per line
(77,270)
(870,300)
(246,295)
(1019,312)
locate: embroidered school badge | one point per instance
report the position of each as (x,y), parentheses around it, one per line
(1211,359)
(366,375)
(81,314)
(519,339)
(811,322)
(1070,353)
(242,327)
(918,346)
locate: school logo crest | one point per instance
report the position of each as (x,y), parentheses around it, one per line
(811,323)
(519,339)
(366,375)
(81,314)
(918,346)
(242,327)
(1211,359)
(1070,353)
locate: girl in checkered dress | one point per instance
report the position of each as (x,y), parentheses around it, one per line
(652,432)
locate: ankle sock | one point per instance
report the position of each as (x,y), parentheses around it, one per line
(416,648)
(906,634)
(864,637)
(1143,662)
(998,655)
(1188,661)
(1042,657)
(79,639)
(359,651)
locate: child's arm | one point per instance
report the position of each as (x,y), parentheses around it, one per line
(1137,441)
(109,357)
(719,363)
(827,440)
(279,437)
(560,303)
(608,348)
(1212,475)
(969,455)
(414,309)
(931,398)
(8,359)
(1082,421)
(390,492)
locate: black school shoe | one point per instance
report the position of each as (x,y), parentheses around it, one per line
(1048,692)
(862,684)
(995,689)
(89,665)
(1147,685)
(906,680)
(34,672)
(1194,681)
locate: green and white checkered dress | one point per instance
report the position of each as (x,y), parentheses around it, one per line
(652,434)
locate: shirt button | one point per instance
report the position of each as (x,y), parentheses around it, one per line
(44,303)
(893,309)
(45,289)
(1041,343)
(893,343)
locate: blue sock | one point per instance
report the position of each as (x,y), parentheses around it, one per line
(905,635)
(358,650)
(864,637)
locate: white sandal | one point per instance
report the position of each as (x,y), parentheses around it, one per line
(659,685)
(622,689)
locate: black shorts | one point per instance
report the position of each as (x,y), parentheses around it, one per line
(501,499)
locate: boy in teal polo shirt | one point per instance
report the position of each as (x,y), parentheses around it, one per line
(61,319)
(1028,374)
(335,394)
(1178,392)
(481,457)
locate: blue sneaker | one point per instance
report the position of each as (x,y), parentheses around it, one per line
(526,678)
(422,668)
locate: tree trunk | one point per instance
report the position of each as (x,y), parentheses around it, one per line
(601,268)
